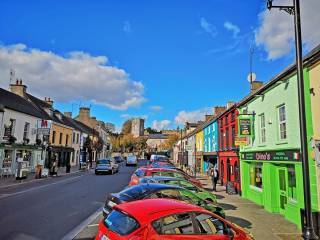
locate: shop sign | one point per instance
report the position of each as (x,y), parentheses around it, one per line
(288,155)
(245,126)
(43,127)
(240,141)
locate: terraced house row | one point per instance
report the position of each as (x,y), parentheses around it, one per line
(32,132)
(255,143)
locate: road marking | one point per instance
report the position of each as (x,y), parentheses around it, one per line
(93,225)
(39,187)
(34,180)
(74,232)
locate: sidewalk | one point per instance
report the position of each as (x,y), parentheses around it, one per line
(8,181)
(262,224)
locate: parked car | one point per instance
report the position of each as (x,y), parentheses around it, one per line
(132,160)
(118,159)
(106,165)
(200,192)
(156,190)
(166,219)
(158,158)
(143,172)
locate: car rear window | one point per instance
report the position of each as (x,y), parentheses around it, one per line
(139,173)
(134,191)
(121,223)
(104,161)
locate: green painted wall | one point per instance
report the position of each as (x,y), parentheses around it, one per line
(285,92)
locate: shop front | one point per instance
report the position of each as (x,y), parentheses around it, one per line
(60,155)
(229,169)
(210,159)
(273,179)
(199,162)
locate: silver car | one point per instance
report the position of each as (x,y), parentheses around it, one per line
(106,165)
(132,160)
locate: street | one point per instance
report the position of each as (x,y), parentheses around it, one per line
(51,208)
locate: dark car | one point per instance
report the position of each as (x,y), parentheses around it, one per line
(156,190)
(118,159)
(106,165)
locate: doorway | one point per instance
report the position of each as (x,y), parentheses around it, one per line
(283,189)
(228,170)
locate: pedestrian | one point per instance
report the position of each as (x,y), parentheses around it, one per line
(214,178)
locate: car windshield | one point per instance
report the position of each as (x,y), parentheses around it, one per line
(135,191)
(121,223)
(131,157)
(103,161)
(139,173)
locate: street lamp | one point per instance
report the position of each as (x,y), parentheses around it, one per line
(308,231)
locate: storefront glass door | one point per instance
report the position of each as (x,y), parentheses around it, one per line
(283,189)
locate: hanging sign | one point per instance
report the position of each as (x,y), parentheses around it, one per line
(286,155)
(240,141)
(245,126)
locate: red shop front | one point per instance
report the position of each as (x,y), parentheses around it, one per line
(229,169)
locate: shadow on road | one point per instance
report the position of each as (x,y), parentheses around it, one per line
(239,221)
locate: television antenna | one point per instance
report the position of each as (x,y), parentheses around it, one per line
(12,75)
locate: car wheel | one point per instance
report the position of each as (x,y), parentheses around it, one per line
(96,172)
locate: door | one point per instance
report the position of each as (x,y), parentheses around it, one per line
(228,170)
(283,189)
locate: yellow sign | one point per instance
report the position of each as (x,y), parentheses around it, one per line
(240,142)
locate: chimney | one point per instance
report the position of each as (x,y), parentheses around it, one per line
(218,109)
(49,101)
(18,88)
(255,85)
(207,116)
(230,104)
(84,113)
(68,114)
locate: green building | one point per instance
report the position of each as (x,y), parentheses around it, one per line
(271,168)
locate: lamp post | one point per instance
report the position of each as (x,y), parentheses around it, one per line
(308,231)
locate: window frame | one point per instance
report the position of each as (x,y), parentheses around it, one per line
(280,122)
(262,127)
(26,130)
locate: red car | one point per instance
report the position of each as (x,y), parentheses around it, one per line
(166,219)
(144,172)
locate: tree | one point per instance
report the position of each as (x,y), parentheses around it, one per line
(152,131)
(168,144)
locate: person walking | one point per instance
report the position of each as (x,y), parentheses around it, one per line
(215,178)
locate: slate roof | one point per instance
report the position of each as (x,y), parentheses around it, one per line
(15,102)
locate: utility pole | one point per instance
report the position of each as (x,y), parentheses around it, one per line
(308,230)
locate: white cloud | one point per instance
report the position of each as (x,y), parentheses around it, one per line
(76,76)
(276,31)
(192,116)
(160,125)
(156,108)
(233,28)
(128,116)
(208,27)
(127,27)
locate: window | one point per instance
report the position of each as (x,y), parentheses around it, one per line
(222,142)
(121,223)
(9,130)
(233,134)
(67,139)
(60,138)
(53,137)
(256,175)
(26,130)
(292,182)
(227,138)
(176,224)
(262,128)
(209,145)
(73,138)
(209,225)
(282,122)
(226,119)
(233,116)
(78,138)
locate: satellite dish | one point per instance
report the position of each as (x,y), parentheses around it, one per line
(251,77)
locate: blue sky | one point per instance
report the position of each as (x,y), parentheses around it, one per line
(170,56)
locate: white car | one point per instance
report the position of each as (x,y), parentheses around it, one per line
(132,160)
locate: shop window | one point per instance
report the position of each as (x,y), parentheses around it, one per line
(262,128)
(67,139)
(256,175)
(292,187)
(282,122)
(7,161)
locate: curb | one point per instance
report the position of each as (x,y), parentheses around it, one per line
(74,232)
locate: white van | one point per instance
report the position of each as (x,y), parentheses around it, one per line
(132,160)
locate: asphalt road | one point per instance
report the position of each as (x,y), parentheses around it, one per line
(51,208)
